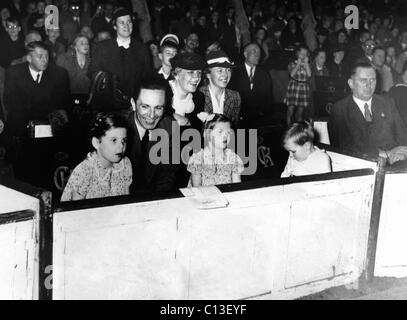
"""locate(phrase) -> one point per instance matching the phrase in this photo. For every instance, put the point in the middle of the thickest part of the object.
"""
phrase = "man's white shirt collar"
(35, 73)
(248, 69)
(141, 130)
(123, 43)
(161, 71)
(217, 107)
(361, 105)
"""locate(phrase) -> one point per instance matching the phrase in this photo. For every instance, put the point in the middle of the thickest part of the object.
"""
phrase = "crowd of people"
(203, 68)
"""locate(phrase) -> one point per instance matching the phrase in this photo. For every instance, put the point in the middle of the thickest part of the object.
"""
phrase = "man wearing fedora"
(123, 57)
(219, 99)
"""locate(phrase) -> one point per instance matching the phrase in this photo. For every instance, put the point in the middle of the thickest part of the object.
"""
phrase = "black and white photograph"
(203, 154)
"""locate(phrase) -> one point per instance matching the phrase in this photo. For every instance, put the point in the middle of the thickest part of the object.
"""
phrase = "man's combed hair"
(152, 83)
(34, 45)
(357, 65)
(301, 133)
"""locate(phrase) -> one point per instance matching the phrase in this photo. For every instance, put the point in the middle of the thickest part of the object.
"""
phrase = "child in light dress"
(215, 164)
(106, 171)
(304, 158)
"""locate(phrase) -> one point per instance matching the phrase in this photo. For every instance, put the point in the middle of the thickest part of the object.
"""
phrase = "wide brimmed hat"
(188, 61)
(218, 59)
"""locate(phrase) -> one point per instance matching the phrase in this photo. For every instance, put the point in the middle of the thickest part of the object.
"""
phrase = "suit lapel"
(208, 101)
(245, 77)
(228, 103)
(355, 115)
(378, 113)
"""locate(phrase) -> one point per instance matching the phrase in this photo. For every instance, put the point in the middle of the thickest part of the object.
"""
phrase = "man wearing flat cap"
(125, 58)
(186, 101)
(219, 99)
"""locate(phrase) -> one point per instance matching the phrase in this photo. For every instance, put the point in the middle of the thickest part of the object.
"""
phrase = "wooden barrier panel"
(282, 241)
(19, 260)
(391, 256)
(19, 244)
(343, 162)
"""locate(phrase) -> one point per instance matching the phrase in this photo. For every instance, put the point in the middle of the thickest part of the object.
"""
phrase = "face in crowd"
(299, 153)
(252, 54)
(124, 26)
(81, 45)
(53, 34)
(368, 47)
(150, 107)
(379, 57)
(339, 55)
(166, 55)
(188, 80)
(192, 42)
(320, 58)
(363, 83)
(220, 135)
(111, 147)
(13, 29)
(219, 76)
(38, 59)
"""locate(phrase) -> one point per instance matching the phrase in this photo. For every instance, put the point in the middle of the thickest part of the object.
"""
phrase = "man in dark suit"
(146, 123)
(123, 57)
(254, 86)
(367, 123)
(33, 90)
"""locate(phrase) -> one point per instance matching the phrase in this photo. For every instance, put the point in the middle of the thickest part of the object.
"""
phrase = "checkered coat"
(298, 91)
(231, 108)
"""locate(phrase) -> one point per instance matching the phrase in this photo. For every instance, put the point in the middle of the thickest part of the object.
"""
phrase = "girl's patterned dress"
(298, 91)
(215, 170)
(90, 180)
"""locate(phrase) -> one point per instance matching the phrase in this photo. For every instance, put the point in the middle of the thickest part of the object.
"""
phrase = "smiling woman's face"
(188, 80)
(220, 76)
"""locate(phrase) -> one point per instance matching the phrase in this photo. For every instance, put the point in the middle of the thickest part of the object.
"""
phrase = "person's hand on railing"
(396, 154)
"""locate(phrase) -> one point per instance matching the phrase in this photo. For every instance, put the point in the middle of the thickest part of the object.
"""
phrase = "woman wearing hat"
(186, 101)
(218, 99)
